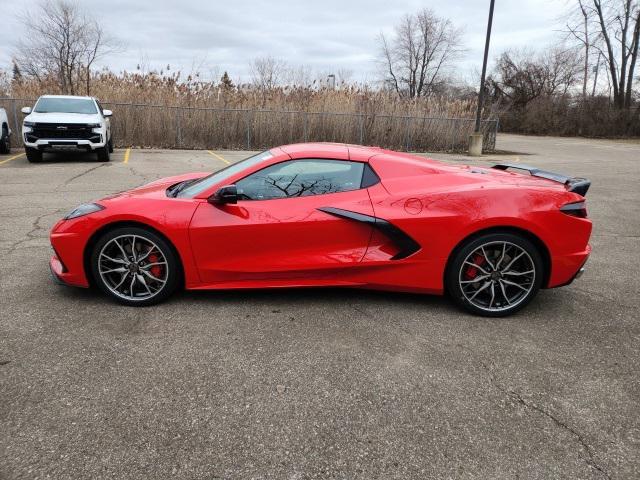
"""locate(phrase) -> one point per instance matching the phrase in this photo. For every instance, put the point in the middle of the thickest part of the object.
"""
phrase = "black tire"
(110, 144)
(103, 154)
(503, 307)
(5, 140)
(33, 154)
(174, 275)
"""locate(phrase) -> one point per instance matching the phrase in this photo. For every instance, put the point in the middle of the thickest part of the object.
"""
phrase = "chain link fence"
(161, 126)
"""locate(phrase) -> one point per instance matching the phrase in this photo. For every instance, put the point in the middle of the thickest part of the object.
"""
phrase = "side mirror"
(107, 113)
(26, 110)
(225, 195)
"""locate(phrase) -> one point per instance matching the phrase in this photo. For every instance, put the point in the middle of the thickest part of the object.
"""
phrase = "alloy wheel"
(133, 267)
(497, 276)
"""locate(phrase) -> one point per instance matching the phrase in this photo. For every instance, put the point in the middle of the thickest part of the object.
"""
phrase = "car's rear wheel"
(135, 266)
(495, 275)
(5, 141)
(33, 154)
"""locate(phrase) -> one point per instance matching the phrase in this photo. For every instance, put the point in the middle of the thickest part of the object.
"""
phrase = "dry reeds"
(154, 110)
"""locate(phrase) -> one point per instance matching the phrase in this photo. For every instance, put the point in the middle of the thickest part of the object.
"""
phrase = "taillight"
(577, 209)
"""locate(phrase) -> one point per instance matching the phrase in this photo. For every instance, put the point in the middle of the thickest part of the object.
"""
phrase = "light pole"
(475, 141)
(331, 81)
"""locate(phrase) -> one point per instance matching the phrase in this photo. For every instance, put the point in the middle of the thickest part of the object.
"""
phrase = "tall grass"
(572, 116)
(154, 110)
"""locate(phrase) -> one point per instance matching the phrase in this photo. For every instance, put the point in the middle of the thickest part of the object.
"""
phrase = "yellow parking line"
(219, 157)
(12, 158)
(126, 155)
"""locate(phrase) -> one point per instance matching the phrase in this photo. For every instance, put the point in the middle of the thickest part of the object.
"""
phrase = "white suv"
(5, 132)
(63, 122)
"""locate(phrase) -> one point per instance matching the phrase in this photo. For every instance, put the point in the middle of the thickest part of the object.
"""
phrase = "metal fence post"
(453, 131)
(406, 135)
(15, 116)
(247, 118)
(305, 126)
(178, 127)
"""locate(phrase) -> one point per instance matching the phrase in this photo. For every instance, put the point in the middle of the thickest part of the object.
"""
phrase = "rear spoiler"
(573, 184)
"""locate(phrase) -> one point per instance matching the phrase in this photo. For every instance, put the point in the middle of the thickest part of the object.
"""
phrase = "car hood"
(157, 188)
(56, 117)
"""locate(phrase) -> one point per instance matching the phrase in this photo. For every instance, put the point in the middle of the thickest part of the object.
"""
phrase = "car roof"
(67, 96)
(347, 151)
(338, 151)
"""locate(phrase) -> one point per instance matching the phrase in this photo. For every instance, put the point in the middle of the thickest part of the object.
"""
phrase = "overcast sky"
(326, 35)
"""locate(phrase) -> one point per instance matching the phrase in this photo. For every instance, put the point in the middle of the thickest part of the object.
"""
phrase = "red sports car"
(318, 214)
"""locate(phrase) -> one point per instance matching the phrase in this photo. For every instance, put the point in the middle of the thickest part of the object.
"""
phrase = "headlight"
(95, 127)
(29, 124)
(84, 209)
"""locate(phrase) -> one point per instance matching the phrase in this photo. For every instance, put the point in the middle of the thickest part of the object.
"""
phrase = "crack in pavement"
(75, 177)
(603, 297)
(31, 235)
(54, 191)
(614, 235)
(361, 311)
(137, 173)
(36, 227)
(515, 396)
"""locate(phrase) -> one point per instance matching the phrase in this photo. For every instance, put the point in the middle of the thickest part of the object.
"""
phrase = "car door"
(276, 230)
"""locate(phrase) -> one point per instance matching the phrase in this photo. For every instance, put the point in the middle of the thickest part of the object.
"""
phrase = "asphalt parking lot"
(321, 383)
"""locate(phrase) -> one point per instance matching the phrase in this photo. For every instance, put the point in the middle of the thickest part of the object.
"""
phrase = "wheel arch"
(529, 235)
(95, 236)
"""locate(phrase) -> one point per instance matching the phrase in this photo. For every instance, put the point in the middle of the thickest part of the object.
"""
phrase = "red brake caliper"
(156, 270)
(472, 272)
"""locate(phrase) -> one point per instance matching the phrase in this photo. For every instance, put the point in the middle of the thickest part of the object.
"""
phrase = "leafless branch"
(422, 47)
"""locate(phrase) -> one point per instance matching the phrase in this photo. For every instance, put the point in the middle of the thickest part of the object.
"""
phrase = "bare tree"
(416, 56)
(267, 72)
(522, 76)
(61, 42)
(619, 25)
(578, 28)
(344, 76)
(299, 76)
(94, 45)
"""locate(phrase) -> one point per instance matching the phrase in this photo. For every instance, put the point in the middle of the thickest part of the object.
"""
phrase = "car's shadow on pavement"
(69, 156)
(292, 297)
(367, 302)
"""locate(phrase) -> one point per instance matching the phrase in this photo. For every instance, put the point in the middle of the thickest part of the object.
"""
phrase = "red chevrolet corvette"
(316, 214)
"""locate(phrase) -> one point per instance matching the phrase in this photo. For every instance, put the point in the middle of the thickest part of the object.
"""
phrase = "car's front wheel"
(5, 141)
(135, 266)
(33, 154)
(495, 274)
(103, 154)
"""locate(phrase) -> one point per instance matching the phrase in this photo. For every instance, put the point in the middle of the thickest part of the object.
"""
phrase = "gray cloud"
(327, 35)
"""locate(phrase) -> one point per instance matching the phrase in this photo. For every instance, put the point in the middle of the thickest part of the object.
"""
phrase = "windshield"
(65, 105)
(203, 184)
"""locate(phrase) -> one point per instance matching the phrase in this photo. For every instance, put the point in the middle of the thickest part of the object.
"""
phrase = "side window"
(100, 106)
(300, 178)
